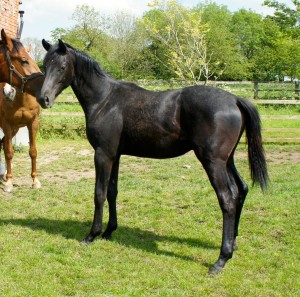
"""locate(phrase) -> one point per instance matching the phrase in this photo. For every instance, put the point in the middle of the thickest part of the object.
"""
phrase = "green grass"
(169, 229)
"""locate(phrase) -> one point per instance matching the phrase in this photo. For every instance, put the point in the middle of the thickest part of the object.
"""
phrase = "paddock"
(168, 235)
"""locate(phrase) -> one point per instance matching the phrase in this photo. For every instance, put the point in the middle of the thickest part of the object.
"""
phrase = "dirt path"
(49, 158)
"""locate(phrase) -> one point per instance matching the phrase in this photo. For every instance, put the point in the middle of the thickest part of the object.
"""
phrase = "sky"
(43, 16)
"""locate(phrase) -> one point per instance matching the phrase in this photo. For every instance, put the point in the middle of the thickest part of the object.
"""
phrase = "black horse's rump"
(122, 118)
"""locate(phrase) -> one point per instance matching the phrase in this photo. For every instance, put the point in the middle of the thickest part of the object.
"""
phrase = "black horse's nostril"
(44, 102)
(47, 101)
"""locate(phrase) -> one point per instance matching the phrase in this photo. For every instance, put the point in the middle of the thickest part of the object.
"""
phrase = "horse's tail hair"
(256, 154)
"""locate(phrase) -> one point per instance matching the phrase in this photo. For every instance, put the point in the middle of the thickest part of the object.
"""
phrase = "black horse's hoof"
(106, 236)
(89, 239)
(215, 270)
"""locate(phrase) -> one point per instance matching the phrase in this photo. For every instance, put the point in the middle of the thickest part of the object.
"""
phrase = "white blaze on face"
(9, 92)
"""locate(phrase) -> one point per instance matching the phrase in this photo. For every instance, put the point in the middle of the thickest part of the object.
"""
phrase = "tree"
(182, 35)
(126, 44)
(228, 62)
(288, 18)
(87, 34)
(90, 24)
(35, 48)
(265, 64)
(247, 29)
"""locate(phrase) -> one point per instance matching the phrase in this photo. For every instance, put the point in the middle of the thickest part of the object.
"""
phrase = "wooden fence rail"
(262, 93)
(258, 90)
(275, 89)
(270, 135)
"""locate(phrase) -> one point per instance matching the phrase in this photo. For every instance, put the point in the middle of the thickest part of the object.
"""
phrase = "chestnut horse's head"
(17, 67)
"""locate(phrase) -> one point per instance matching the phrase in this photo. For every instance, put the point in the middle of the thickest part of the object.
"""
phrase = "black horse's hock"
(122, 118)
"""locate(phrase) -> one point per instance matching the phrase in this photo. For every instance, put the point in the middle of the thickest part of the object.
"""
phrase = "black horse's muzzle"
(45, 102)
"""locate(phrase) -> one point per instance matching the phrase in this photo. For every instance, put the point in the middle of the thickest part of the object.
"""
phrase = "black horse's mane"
(85, 63)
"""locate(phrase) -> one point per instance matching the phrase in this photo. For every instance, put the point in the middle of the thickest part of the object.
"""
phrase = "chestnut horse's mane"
(17, 44)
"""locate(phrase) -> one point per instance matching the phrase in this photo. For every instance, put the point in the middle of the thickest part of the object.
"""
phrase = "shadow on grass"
(125, 236)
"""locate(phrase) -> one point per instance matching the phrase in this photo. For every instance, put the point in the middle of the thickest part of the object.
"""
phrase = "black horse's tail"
(256, 154)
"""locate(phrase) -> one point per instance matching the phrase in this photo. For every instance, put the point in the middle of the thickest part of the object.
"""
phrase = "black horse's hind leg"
(227, 192)
(103, 166)
(242, 193)
(112, 193)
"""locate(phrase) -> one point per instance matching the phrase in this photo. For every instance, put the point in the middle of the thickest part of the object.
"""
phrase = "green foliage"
(285, 16)
(71, 127)
(227, 60)
(200, 43)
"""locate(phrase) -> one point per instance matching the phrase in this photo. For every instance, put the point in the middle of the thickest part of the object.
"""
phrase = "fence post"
(255, 90)
(297, 90)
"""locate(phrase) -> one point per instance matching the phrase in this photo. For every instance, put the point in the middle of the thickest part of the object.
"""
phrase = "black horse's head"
(59, 72)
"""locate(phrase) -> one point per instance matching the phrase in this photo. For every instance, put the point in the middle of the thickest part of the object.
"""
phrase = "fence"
(262, 92)
(278, 91)
(259, 93)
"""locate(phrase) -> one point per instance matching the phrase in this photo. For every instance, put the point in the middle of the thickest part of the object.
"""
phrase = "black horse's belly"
(160, 149)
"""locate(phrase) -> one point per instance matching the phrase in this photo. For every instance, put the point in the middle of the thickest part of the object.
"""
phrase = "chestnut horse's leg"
(2, 166)
(9, 154)
(112, 193)
(32, 131)
(103, 166)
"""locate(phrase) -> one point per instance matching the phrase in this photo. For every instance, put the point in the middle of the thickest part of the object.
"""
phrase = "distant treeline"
(206, 42)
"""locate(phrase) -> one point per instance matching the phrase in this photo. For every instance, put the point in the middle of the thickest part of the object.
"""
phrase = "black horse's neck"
(91, 84)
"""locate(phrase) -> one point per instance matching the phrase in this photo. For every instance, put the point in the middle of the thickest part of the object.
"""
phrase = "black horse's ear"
(46, 45)
(61, 46)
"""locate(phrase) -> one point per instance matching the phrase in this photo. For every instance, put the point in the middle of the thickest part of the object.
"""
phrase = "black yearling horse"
(122, 118)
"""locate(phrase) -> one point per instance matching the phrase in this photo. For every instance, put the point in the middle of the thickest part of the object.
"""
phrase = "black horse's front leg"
(103, 167)
(112, 193)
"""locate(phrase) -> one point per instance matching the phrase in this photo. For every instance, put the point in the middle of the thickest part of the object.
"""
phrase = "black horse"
(123, 118)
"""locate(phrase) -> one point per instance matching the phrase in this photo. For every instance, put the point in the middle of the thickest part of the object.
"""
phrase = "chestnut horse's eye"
(24, 61)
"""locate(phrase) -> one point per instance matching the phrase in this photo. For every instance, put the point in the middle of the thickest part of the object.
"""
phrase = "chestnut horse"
(19, 70)
(124, 119)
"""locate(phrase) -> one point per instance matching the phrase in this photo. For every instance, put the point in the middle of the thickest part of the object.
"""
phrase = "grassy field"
(169, 229)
